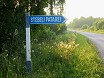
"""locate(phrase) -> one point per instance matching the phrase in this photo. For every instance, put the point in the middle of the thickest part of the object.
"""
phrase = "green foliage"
(78, 23)
(99, 24)
(62, 29)
(89, 64)
(92, 28)
(54, 28)
(12, 38)
(51, 60)
(94, 24)
(12, 34)
(46, 35)
(57, 58)
(85, 26)
(59, 28)
(70, 55)
(57, 4)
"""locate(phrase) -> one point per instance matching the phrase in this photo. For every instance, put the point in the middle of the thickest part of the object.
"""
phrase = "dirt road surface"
(98, 40)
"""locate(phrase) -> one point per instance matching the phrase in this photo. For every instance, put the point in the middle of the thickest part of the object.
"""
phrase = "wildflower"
(69, 46)
(77, 45)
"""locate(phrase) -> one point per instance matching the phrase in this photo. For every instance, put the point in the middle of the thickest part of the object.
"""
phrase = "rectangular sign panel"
(45, 19)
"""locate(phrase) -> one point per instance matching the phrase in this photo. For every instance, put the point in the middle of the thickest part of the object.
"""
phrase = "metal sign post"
(38, 19)
(28, 44)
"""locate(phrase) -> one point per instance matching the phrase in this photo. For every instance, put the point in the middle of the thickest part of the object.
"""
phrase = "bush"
(99, 24)
(85, 26)
(62, 29)
(54, 28)
(46, 35)
(91, 28)
(59, 28)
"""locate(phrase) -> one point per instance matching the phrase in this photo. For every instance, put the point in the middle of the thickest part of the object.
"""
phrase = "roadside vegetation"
(69, 55)
(55, 53)
(89, 24)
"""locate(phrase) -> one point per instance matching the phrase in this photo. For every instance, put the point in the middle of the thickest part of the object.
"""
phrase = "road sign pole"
(28, 44)
(38, 19)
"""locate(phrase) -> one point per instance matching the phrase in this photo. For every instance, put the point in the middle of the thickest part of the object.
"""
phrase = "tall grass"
(68, 56)
(89, 64)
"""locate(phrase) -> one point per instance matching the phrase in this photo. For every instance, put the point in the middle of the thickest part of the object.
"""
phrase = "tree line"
(88, 23)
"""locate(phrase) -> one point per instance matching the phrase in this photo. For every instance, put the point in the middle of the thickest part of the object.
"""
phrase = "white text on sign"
(45, 19)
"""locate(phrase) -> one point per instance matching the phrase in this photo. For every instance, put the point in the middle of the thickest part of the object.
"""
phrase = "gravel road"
(98, 40)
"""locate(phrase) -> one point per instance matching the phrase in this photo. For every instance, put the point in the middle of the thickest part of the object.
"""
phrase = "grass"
(69, 56)
(94, 31)
(99, 31)
(89, 64)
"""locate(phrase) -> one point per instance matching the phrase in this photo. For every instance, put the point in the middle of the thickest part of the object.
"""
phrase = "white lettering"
(53, 19)
(37, 19)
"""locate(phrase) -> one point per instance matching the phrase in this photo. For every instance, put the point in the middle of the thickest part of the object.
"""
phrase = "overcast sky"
(78, 8)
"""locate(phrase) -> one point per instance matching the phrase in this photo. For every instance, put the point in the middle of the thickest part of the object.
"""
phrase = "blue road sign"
(45, 19)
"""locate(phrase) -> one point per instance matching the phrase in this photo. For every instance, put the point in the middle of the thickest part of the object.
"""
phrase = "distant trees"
(99, 24)
(85, 26)
(88, 23)
(78, 23)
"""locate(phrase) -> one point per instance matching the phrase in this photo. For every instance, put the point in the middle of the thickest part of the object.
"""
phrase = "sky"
(77, 8)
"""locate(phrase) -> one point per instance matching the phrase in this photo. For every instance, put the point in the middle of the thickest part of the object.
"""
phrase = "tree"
(78, 23)
(85, 26)
(12, 33)
(99, 24)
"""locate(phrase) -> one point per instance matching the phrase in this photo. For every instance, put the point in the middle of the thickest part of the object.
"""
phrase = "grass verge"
(89, 63)
(95, 31)
(69, 56)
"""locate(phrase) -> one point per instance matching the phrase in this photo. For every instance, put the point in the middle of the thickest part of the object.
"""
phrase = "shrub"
(46, 35)
(59, 28)
(62, 29)
(91, 28)
(85, 26)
